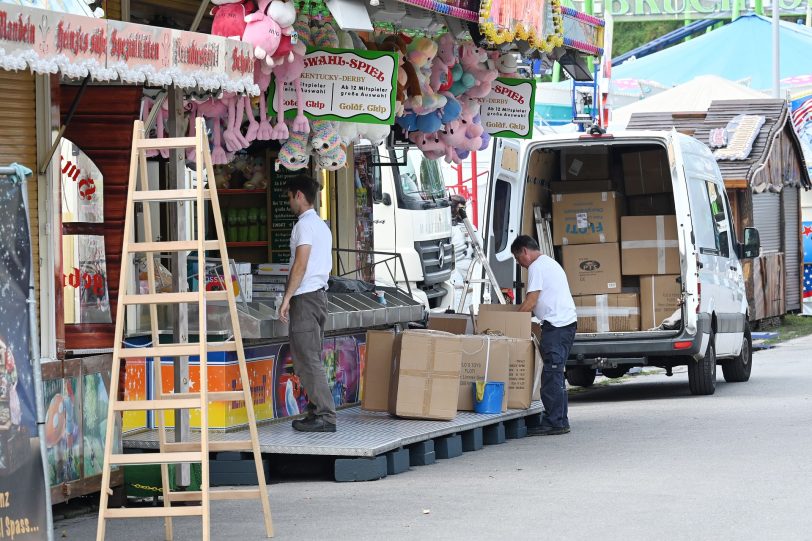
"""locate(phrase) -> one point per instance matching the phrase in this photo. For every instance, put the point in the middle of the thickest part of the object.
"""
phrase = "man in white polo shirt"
(550, 300)
(305, 303)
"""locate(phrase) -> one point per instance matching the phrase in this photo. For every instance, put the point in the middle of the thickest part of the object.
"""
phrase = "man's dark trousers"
(556, 343)
(308, 313)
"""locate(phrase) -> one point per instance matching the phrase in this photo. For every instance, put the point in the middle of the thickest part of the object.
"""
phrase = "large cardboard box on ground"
(378, 370)
(586, 218)
(592, 269)
(649, 245)
(479, 351)
(646, 172)
(453, 323)
(608, 313)
(425, 375)
(504, 319)
(585, 164)
(660, 297)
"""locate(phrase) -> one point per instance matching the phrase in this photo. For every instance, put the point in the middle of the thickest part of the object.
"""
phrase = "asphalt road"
(645, 460)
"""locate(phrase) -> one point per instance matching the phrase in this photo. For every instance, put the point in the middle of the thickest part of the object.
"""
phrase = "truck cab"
(691, 290)
(412, 217)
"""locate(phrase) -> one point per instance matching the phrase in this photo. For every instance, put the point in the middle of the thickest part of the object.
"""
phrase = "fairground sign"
(641, 10)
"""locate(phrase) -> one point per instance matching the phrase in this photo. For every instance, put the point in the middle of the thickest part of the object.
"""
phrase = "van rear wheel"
(738, 368)
(581, 376)
(614, 373)
(702, 373)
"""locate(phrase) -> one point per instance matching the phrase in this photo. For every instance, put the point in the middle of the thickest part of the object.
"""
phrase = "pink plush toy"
(474, 60)
(284, 13)
(232, 136)
(216, 111)
(229, 17)
(441, 78)
(453, 137)
(161, 116)
(290, 72)
(262, 130)
(263, 33)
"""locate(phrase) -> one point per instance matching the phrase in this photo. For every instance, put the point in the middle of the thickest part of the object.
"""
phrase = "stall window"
(501, 214)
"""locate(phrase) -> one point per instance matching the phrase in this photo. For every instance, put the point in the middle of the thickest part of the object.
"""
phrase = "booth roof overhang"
(49, 42)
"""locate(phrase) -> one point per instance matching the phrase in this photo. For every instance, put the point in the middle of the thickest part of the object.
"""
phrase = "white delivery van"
(642, 225)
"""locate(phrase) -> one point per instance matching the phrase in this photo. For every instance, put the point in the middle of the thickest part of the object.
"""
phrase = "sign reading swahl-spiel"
(508, 110)
(345, 85)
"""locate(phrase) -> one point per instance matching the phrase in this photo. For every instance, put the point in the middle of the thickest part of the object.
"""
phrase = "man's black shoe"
(547, 430)
(313, 424)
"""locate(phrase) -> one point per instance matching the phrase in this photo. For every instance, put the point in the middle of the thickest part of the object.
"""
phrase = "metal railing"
(387, 259)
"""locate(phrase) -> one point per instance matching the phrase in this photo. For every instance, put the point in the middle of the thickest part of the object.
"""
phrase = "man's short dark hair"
(304, 184)
(524, 241)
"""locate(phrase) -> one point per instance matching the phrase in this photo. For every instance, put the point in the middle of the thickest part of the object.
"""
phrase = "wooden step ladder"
(178, 452)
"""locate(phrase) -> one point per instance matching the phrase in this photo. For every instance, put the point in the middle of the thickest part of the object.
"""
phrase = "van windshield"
(420, 183)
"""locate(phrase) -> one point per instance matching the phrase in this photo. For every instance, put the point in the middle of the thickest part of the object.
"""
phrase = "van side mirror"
(752, 244)
(386, 199)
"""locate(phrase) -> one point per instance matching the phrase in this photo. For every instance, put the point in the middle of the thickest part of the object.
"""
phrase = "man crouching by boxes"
(550, 300)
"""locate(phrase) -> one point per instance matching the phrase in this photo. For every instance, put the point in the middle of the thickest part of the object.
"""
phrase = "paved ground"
(645, 460)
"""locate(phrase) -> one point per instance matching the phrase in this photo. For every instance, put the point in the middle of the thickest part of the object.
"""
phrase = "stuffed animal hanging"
(295, 153)
(229, 17)
(216, 111)
(290, 72)
(284, 13)
(263, 33)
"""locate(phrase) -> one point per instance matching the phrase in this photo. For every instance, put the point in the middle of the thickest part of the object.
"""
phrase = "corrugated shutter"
(18, 141)
(791, 246)
(767, 219)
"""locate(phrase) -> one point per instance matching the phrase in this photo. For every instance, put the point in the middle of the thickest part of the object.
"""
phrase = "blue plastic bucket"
(492, 398)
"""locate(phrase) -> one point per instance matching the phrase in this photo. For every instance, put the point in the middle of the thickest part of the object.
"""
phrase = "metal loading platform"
(371, 445)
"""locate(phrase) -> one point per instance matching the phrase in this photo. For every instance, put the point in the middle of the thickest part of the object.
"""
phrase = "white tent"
(694, 96)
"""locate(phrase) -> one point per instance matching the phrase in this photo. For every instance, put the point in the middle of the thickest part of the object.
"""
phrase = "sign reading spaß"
(344, 84)
(508, 110)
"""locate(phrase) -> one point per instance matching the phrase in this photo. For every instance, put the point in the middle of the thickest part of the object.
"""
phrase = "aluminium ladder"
(178, 452)
(479, 256)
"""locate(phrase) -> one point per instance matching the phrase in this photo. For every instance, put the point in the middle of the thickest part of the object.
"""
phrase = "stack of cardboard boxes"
(604, 250)
(428, 374)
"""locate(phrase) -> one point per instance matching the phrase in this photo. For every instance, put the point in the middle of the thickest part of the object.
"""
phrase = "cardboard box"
(586, 218)
(479, 351)
(525, 374)
(649, 245)
(425, 380)
(582, 186)
(585, 164)
(660, 296)
(650, 205)
(608, 313)
(377, 370)
(646, 172)
(504, 319)
(592, 269)
(453, 323)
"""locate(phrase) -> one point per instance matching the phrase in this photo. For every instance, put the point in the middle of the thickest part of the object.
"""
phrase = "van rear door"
(503, 218)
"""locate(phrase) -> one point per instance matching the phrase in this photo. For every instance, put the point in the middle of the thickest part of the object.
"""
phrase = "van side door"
(503, 219)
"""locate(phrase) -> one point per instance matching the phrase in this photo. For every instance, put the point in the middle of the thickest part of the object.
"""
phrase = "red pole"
(474, 190)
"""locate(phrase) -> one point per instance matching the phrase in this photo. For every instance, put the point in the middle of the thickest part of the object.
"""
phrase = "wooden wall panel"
(102, 128)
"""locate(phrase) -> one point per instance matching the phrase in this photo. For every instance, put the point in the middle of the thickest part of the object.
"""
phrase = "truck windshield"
(419, 181)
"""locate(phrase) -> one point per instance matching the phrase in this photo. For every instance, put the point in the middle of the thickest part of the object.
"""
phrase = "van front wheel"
(702, 373)
(581, 376)
(738, 368)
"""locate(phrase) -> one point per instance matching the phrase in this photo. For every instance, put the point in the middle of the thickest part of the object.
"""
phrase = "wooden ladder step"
(160, 404)
(173, 298)
(176, 350)
(167, 142)
(196, 496)
(152, 512)
(158, 458)
(213, 396)
(214, 446)
(172, 246)
(169, 195)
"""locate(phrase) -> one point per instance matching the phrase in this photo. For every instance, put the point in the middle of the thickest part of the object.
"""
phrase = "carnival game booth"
(432, 69)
